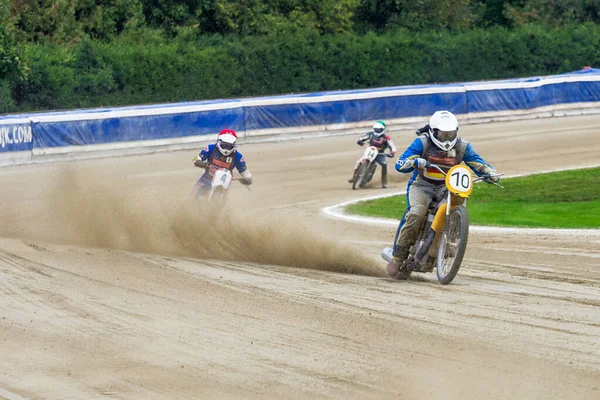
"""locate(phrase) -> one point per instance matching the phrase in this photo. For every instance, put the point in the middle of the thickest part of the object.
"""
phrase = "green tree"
(13, 68)
(553, 12)
(244, 17)
(416, 15)
(265, 16)
(332, 16)
(378, 13)
(171, 14)
(250, 17)
(62, 21)
(44, 21)
(104, 19)
(435, 14)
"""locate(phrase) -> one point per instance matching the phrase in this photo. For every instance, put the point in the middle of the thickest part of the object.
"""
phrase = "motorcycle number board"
(459, 180)
(371, 152)
(222, 178)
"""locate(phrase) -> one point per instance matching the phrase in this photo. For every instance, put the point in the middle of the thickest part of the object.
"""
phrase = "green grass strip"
(566, 199)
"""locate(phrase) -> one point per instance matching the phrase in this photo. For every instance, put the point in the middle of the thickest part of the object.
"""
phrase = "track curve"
(113, 285)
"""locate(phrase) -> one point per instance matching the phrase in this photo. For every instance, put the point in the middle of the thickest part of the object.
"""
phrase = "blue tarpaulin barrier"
(191, 119)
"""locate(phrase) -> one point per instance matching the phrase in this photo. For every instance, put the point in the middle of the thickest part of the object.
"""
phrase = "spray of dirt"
(98, 213)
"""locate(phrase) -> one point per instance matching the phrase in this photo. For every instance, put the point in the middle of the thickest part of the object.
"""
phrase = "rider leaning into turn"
(378, 139)
(442, 146)
(223, 154)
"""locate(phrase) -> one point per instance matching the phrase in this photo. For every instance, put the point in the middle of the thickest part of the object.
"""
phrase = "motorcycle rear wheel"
(453, 244)
(217, 200)
(360, 176)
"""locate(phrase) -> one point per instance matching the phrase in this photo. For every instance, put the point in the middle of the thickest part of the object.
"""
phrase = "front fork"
(358, 164)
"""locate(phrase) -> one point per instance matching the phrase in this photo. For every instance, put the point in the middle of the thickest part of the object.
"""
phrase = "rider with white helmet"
(379, 139)
(440, 145)
(443, 128)
(222, 154)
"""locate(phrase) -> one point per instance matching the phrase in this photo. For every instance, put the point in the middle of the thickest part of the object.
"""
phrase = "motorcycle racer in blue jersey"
(442, 146)
(222, 154)
(381, 141)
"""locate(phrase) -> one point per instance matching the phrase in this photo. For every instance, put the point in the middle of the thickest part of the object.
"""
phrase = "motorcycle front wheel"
(370, 173)
(360, 176)
(217, 199)
(453, 244)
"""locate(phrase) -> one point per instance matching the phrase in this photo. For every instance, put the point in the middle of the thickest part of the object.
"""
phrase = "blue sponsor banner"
(15, 136)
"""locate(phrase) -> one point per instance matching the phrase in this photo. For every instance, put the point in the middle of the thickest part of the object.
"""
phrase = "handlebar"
(484, 178)
(430, 165)
(386, 154)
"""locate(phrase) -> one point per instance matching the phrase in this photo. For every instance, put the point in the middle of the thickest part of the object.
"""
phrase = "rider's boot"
(398, 256)
(384, 176)
(353, 175)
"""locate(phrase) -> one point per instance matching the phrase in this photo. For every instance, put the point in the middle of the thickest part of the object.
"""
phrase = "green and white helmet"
(379, 128)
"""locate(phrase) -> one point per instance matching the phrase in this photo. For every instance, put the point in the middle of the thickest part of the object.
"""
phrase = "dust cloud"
(101, 214)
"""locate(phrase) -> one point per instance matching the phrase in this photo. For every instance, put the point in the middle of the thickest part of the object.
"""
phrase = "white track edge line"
(10, 396)
(337, 212)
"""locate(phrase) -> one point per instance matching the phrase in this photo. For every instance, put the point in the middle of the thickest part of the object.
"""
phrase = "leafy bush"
(144, 67)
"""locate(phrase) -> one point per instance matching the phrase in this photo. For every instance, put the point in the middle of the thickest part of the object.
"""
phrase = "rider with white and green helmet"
(379, 139)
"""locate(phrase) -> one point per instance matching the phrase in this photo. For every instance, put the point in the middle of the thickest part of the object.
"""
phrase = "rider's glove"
(392, 153)
(494, 179)
(200, 163)
(360, 142)
(420, 163)
(490, 171)
(422, 130)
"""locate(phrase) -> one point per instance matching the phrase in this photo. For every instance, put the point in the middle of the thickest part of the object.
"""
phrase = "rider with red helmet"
(223, 154)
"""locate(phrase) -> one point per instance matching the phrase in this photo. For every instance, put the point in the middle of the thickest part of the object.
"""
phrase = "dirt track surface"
(114, 285)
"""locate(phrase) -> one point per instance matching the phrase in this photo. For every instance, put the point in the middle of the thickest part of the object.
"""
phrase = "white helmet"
(443, 129)
(227, 144)
(379, 128)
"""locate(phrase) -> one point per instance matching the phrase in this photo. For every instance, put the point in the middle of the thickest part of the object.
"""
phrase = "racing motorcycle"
(221, 180)
(446, 226)
(366, 168)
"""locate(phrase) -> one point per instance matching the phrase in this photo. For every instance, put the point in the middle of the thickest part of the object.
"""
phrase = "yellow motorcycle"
(445, 228)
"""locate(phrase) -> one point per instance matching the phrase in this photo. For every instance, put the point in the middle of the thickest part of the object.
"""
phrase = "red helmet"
(228, 132)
